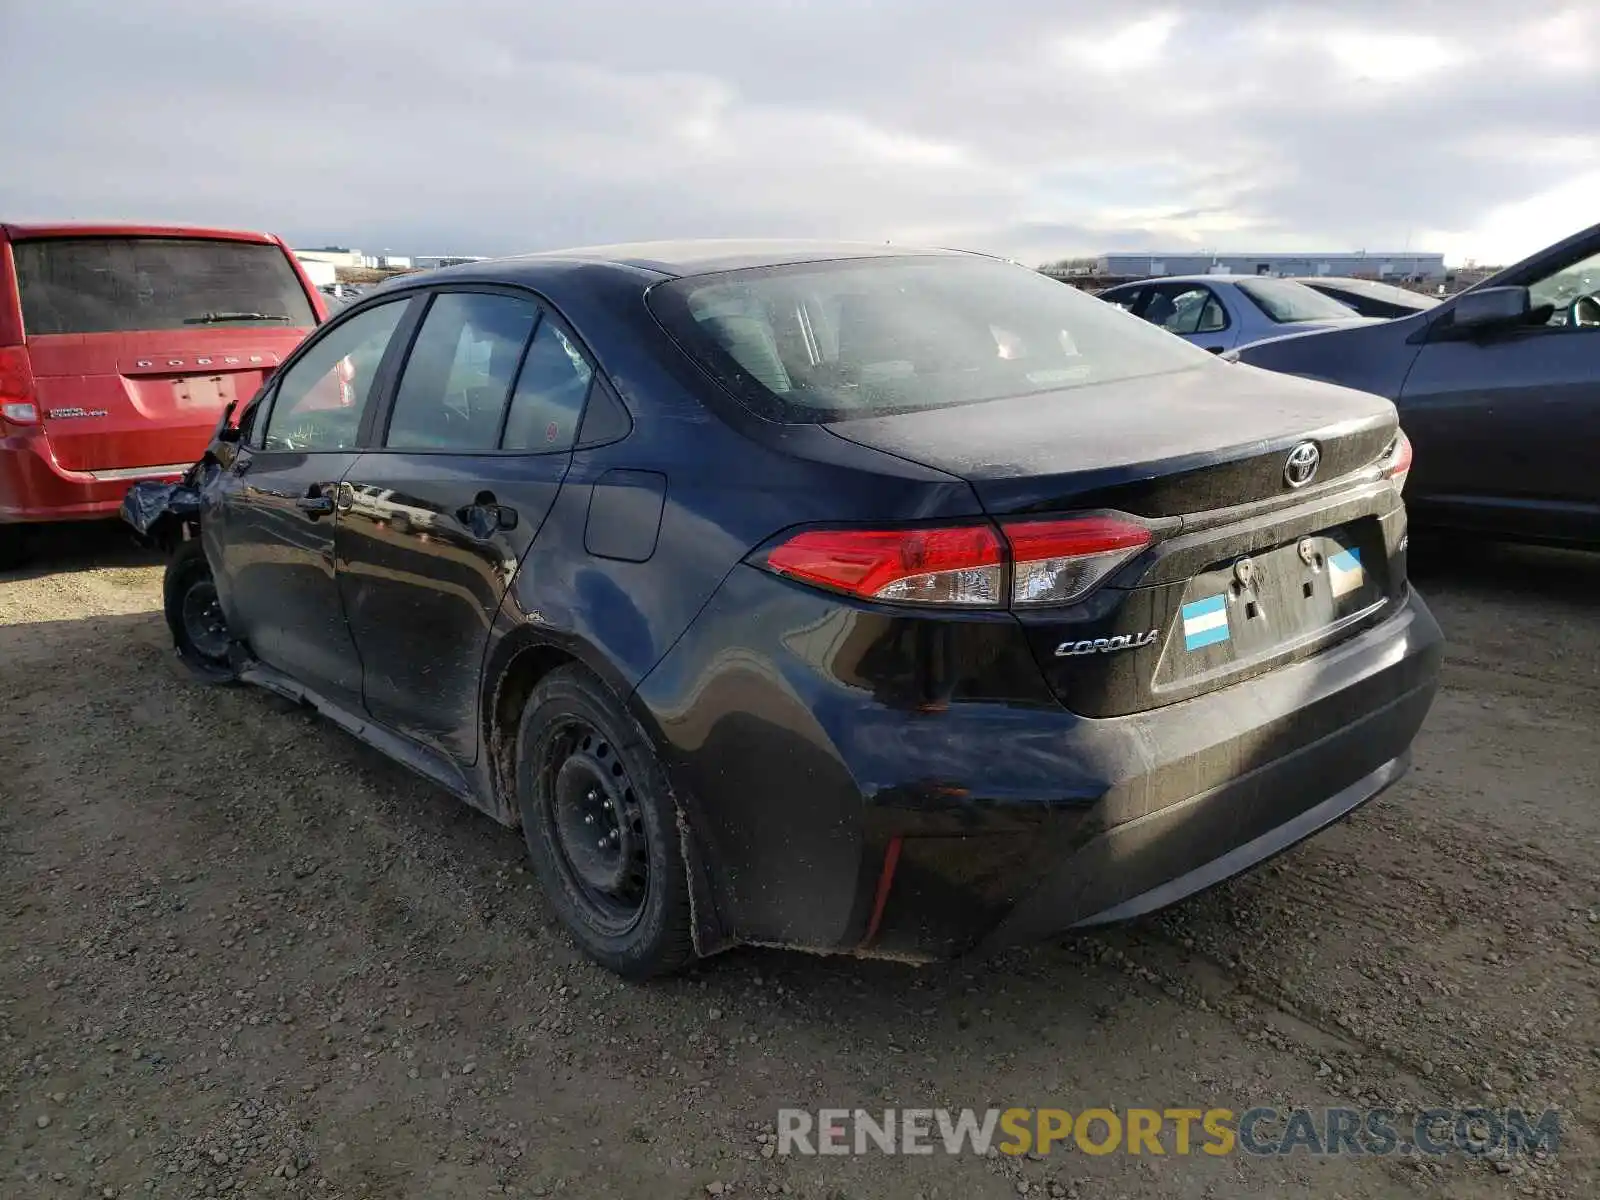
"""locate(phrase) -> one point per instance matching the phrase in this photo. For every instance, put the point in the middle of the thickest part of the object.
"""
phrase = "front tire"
(194, 615)
(601, 827)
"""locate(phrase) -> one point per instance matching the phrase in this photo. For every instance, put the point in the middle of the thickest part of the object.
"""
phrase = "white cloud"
(1130, 47)
(1514, 231)
(1392, 57)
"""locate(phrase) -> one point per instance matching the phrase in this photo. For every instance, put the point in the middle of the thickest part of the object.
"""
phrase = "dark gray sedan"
(1498, 388)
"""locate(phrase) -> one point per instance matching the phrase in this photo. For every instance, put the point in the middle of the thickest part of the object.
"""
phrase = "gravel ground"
(242, 955)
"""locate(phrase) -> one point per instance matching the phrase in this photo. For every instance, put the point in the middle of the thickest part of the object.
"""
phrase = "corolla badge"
(1302, 464)
(1122, 641)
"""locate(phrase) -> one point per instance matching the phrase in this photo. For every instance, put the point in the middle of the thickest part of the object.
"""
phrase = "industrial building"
(1361, 264)
(337, 256)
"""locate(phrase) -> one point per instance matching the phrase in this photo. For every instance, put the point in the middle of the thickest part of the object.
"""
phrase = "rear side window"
(866, 337)
(125, 285)
(548, 403)
(458, 377)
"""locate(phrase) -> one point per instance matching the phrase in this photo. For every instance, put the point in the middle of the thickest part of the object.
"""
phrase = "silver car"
(1222, 312)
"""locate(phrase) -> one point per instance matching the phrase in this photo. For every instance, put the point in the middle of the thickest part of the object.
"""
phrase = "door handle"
(485, 517)
(314, 504)
(1216, 349)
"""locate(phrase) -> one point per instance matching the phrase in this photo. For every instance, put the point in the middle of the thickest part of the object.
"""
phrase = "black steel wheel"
(194, 615)
(599, 830)
(601, 827)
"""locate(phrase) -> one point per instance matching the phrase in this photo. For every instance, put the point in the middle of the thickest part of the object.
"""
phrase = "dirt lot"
(242, 955)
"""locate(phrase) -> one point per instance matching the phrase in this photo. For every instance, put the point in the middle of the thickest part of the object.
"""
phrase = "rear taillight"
(1397, 462)
(964, 565)
(1026, 563)
(17, 406)
(1058, 562)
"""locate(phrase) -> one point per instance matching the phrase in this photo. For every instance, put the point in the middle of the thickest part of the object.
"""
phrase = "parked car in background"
(120, 346)
(1219, 312)
(1499, 389)
(337, 295)
(830, 596)
(1370, 297)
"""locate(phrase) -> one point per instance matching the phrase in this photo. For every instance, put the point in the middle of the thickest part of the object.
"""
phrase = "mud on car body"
(827, 596)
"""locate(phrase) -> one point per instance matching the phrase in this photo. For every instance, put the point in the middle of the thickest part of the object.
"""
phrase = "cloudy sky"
(1036, 128)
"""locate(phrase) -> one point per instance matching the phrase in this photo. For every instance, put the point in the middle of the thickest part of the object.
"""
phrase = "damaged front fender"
(165, 514)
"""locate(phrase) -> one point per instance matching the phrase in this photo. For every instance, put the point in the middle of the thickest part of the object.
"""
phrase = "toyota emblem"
(1302, 465)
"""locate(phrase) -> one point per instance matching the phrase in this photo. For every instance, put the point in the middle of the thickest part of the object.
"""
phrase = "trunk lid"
(1245, 573)
(1160, 446)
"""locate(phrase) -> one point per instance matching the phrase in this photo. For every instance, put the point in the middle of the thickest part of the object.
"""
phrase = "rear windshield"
(126, 284)
(830, 341)
(1384, 293)
(1285, 301)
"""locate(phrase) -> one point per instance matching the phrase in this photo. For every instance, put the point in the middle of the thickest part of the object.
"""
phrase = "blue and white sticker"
(1345, 573)
(1205, 622)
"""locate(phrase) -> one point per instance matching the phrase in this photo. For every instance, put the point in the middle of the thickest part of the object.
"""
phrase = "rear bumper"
(1199, 792)
(834, 817)
(1158, 860)
(35, 487)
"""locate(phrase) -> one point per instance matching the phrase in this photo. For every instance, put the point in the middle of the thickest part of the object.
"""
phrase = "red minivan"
(120, 345)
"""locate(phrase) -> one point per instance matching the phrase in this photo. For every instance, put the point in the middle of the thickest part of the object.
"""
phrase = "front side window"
(453, 391)
(548, 402)
(1284, 301)
(865, 337)
(130, 284)
(1573, 294)
(320, 398)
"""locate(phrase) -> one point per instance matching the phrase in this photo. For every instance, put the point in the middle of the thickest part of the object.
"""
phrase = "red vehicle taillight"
(1058, 562)
(974, 566)
(962, 565)
(17, 406)
(1397, 463)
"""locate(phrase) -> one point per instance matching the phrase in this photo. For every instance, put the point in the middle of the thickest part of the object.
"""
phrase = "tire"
(585, 770)
(199, 630)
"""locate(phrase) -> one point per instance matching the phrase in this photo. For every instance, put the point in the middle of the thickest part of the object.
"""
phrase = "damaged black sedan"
(847, 598)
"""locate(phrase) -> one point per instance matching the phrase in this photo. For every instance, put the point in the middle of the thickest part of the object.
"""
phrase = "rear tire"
(194, 615)
(602, 827)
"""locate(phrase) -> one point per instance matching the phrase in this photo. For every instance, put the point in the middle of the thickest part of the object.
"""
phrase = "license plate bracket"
(1262, 604)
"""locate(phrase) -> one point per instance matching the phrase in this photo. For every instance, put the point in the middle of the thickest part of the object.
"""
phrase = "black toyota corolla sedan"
(847, 598)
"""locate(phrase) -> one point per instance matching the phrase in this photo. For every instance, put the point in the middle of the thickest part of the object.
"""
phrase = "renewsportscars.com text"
(1161, 1131)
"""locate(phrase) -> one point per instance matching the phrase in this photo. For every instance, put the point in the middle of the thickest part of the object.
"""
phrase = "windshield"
(1285, 301)
(866, 337)
(127, 284)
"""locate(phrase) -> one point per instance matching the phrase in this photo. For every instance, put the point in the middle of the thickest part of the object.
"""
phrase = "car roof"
(662, 260)
(1204, 279)
(701, 256)
(16, 231)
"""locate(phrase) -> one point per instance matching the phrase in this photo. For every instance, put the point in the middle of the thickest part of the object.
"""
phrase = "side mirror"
(1490, 308)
